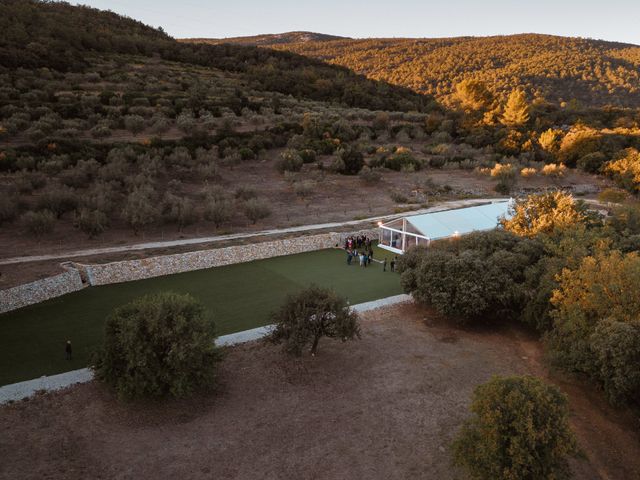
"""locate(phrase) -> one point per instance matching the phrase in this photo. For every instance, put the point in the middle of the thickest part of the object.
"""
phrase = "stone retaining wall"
(40, 290)
(129, 270)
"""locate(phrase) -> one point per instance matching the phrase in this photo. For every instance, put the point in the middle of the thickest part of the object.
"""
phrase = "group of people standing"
(360, 248)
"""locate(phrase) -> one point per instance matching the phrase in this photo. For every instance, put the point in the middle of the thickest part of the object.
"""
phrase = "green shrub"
(616, 346)
(255, 210)
(157, 346)
(59, 200)
(8, 208)
(140, 208)
(179, 210)
(308, 155)
(605, 286)
(398, 197)
(370, 175)
(352, 159)
(289, 161)
(519, 430)
(134, 123)
(311, 314)
(478, 276)
(592, 162)
(91, 222)
(218, 210)
(39, 223)
(403, 160)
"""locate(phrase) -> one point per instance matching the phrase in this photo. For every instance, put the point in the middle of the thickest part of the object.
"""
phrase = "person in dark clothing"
(349, 257)
(68, 350)
(393, 264)
(384, 265)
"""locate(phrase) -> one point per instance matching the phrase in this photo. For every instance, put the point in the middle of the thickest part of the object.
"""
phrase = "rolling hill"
(558, 69)
(269, 39)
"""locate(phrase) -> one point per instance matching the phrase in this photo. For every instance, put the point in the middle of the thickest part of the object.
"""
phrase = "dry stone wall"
(78, 276)
(129, 270)
(40, 290)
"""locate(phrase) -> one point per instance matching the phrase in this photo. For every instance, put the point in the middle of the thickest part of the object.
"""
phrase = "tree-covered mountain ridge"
(558, 69)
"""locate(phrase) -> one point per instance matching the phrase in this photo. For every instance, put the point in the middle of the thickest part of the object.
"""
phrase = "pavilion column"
(404, 236)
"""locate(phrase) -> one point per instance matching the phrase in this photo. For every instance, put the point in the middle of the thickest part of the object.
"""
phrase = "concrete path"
(239, 236)
(22, 390)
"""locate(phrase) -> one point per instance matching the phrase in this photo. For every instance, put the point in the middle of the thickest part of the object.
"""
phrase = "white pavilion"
(400, 234)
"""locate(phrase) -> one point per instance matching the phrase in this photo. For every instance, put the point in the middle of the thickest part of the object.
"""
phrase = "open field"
(389, 404)
(239, 297)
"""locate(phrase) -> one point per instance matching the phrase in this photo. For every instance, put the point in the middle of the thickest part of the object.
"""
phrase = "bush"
(218, 210)
(311, 314)
(39, 223)
(612, 195)
(352, 159)
(604, 287)
(134, 123)
(616, 346)
(158, 345)
(478, 276)
(255, 210)
(403, 160)
(556, 170)
(289, 161)
(370, 175)
(544, 213)
(520, 429)
(140, 208)
(528, 172)
(59, 200)
(307, 155)
(246, 153)
(179, 210)
(625, 169)
(593, 162)
(91, 222)
(8, 208)
(304, 188)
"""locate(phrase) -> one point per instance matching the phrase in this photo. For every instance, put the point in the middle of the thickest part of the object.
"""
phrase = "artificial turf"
(239, 297)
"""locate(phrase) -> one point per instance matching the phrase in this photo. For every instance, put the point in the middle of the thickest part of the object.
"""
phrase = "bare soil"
(384, 407)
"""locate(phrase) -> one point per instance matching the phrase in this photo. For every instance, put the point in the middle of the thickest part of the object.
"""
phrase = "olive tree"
(519, 429)
(158, 345)
(309, 315)
(255, 210)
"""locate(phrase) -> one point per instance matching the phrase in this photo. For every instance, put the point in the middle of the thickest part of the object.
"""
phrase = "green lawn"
(239, 297)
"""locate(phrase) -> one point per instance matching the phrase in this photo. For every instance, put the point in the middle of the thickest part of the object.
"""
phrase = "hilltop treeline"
(559, 69)
(59, 36)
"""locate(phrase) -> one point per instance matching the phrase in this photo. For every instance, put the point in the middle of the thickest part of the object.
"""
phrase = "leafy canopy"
(544, 213)
(519, 430)
(158, 345)
(311, 314)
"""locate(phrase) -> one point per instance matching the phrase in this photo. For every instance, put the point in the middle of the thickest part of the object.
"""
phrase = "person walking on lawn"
(393, 264)
(384, 265)
(68, 350)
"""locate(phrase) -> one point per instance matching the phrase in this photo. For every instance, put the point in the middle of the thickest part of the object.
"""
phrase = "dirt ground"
(384, 407)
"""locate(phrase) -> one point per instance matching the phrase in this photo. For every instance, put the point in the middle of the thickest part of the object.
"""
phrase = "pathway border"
(22, 390)
(447, 205)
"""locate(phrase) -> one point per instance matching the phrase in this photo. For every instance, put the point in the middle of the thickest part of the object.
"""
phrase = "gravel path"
(237, 236)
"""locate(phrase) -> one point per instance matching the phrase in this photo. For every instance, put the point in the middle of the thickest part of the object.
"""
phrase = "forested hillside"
(60, 36)
(558, 69)
(110, 128)
(270, 39)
